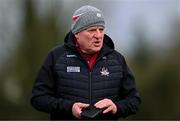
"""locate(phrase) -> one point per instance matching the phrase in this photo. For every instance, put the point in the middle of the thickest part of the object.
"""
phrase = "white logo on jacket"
(104, 71)
(73, 69)
(70, 56)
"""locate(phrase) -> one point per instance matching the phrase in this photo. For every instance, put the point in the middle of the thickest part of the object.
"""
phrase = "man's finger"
(83, 105)
(98, 103)
(108, 109)
(103, 104)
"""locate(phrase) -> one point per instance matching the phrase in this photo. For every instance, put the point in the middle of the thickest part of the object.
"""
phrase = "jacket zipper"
(90, 78)
(90, 81)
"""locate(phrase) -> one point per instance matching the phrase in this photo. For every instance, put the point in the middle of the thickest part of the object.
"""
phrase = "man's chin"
(94, 51)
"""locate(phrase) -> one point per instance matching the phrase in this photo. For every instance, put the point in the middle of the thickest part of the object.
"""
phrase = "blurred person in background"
(85, 72)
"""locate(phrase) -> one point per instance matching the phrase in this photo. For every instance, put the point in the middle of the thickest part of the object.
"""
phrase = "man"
(85, 71)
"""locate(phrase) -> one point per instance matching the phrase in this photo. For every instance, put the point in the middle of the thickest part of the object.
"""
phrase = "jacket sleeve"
(43, 92)
(130, 99)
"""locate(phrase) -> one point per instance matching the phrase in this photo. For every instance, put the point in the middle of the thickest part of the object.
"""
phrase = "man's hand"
(108, 105)
(77, 109)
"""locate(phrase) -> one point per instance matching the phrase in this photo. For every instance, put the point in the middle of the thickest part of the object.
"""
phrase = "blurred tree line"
(158, 78)
(157, 75)
(39, 36)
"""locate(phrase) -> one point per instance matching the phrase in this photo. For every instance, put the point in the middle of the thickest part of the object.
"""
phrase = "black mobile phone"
(91, 112)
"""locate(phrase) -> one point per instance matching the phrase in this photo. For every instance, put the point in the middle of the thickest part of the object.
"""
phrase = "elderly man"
(85, 73)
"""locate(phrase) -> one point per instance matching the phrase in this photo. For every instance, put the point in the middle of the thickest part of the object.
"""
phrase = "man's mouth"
(97, 43)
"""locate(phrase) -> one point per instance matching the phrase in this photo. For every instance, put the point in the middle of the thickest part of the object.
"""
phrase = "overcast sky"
(121, 18)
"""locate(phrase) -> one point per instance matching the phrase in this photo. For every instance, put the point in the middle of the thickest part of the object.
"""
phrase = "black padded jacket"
(64, 78)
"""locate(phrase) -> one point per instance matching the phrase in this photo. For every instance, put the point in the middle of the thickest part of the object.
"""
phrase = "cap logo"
(98, 15)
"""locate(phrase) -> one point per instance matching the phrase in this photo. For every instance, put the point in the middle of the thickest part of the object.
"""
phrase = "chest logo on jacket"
(73, 69)
(104, 71)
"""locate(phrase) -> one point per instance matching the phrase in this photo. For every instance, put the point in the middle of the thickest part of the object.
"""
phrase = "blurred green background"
(146, 32)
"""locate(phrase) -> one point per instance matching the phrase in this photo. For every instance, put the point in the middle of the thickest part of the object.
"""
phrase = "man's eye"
(101, 29)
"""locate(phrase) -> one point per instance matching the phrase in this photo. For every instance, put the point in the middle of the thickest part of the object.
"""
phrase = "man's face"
(91, 39)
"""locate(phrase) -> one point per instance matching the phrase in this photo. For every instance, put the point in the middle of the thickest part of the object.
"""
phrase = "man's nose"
(98, 33)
